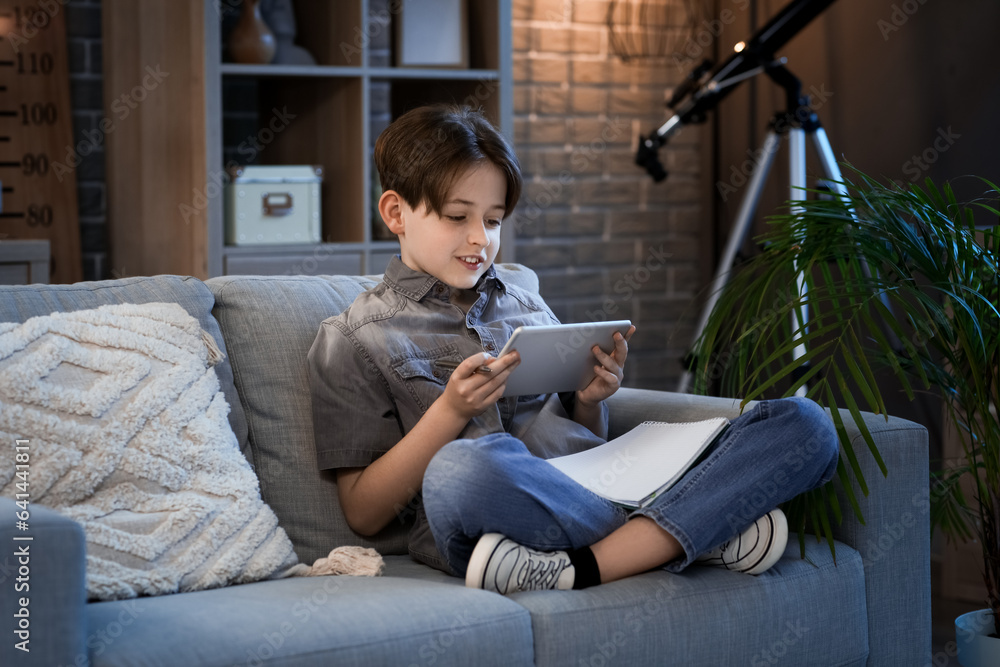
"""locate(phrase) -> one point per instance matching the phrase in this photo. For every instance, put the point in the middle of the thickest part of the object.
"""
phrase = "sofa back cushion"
(269, 324)
(19, 303)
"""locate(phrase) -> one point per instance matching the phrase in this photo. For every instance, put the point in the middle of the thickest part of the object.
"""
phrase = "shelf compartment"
(327, 130)
(407, 94)
(484, 35)
(333, 32)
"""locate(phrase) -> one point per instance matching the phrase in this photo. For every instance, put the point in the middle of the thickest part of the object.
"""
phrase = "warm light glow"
(739, 46)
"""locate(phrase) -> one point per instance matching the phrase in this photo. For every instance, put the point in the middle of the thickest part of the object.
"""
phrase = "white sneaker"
(503, 566)
(755, 550)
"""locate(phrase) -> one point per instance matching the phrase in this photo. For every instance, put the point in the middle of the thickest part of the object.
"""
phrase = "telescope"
(705, 87)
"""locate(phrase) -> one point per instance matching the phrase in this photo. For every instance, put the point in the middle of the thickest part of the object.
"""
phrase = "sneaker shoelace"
(539, 572)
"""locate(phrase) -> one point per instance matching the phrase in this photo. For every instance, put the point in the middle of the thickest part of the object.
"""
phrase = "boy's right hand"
(470, 392)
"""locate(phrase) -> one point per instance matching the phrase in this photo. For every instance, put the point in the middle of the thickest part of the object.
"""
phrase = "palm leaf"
(896, 280)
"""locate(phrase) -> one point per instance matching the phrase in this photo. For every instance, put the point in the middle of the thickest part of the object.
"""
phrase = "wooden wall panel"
(154, 91)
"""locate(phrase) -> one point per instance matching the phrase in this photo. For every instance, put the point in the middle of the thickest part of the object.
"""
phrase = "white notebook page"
(642, 462)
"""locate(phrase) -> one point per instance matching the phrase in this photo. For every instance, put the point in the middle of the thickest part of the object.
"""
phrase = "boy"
(402, 429)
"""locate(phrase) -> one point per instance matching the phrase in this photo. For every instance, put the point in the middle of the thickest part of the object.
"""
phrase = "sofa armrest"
(630, 407)
(894, 540)
(43, 586)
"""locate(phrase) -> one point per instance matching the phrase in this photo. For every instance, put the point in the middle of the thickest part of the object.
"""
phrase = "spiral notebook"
(634, 468)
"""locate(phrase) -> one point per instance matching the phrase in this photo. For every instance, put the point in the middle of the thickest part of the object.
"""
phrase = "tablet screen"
(558, 357)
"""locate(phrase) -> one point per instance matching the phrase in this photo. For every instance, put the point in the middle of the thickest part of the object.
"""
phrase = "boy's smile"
(460, 244)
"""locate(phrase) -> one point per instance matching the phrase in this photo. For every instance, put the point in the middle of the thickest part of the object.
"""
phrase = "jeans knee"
(450, 464)
(821, 443)
(802, 408)
(460, 466)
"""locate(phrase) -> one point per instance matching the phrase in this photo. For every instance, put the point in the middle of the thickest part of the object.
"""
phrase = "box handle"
(277, 203)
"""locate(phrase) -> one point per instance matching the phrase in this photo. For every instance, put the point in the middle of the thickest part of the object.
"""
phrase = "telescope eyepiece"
(647, 158)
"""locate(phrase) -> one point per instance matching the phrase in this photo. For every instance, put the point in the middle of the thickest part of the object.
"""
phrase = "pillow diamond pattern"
(65, 386)
(130, 437)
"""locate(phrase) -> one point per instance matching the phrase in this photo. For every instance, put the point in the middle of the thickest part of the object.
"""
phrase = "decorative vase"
(251, 41)
(280, 17)
(976, 648)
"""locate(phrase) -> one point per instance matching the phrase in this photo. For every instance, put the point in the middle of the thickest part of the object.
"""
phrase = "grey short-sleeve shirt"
(373, 373)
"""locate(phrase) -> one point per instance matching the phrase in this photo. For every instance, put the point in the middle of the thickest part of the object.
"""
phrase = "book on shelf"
(634, 468)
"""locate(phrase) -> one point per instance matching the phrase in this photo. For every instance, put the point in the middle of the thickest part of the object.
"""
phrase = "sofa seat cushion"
(711, 616)
(314, 621)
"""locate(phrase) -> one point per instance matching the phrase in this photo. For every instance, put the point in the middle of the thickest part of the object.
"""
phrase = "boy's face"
(458, 246)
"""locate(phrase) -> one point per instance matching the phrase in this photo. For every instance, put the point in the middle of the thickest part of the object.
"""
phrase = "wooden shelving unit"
(166, 165)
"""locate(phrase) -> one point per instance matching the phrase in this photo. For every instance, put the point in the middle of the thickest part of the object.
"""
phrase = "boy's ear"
(390, 207)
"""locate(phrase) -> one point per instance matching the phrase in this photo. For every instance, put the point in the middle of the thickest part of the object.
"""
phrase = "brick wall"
(607, 241)
(83, 33)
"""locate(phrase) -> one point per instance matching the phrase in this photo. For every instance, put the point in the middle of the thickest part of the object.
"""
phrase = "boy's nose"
(478, 235)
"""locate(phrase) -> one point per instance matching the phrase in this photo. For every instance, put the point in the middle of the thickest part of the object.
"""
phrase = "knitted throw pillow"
(128, 436)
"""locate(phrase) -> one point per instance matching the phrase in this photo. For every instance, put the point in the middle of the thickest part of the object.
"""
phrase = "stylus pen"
(452, 365)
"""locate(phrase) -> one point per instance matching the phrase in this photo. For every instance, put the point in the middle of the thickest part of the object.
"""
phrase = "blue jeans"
(770, 454)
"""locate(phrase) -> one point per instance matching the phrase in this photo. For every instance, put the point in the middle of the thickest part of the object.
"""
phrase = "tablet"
(558, 357)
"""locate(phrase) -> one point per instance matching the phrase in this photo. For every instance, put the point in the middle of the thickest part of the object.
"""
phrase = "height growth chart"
(38, 160)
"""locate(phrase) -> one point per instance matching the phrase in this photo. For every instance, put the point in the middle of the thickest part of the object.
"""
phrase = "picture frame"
(432, 33)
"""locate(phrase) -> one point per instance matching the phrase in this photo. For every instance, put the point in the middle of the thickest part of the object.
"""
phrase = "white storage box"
(273, 204)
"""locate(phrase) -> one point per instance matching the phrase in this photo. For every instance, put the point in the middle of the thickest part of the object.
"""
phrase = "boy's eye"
(492, 222)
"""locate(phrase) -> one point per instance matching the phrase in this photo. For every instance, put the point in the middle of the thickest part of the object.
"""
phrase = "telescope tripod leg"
(797, 192)
(822, 144)
(738, 233)
(798, 183)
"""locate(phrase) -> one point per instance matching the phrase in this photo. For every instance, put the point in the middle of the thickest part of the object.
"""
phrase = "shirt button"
(439, 289)
(437, 374)
(489, 347)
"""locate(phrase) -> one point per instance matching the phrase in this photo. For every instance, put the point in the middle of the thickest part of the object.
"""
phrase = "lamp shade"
(651, 29)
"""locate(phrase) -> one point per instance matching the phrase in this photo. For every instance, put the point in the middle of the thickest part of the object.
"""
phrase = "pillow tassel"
(215, 355)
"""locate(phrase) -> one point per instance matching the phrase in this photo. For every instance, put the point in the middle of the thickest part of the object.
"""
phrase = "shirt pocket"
(422, 374)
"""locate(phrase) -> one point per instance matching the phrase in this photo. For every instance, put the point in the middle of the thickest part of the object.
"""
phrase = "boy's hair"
(425, 151)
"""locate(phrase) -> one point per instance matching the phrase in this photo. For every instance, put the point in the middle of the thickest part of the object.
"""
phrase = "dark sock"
(585, 566)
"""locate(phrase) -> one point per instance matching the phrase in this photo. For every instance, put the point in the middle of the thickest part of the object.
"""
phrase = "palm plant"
(900, 292)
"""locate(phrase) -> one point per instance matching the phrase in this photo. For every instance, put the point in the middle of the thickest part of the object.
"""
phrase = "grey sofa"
(870, 607)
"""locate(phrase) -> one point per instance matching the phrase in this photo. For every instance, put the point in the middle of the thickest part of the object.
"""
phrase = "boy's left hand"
(610, 371)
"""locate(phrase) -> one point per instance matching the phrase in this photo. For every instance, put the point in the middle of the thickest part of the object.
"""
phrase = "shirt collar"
(417, 284)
